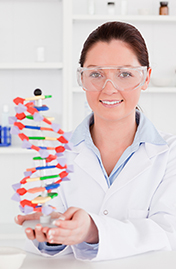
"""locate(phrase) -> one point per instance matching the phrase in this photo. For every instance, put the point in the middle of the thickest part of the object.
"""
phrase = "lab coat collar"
(151, 142)
(146, 131)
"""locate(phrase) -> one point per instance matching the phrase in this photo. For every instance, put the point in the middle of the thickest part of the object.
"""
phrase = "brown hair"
(121, 31)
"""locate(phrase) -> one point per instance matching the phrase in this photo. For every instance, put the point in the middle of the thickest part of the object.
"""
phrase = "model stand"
(50, 162)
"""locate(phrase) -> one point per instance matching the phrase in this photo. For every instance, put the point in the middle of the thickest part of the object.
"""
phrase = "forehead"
(115, 52)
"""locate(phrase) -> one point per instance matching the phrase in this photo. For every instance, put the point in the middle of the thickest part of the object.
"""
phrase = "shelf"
(43, 65)
(160, 90)
(141, 18)
(149, 90)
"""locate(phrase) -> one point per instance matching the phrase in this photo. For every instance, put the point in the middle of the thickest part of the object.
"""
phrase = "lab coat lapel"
(138, 163)
(87, 161)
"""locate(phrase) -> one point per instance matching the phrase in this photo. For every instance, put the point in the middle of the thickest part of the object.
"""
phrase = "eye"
(125, 74)
(95, 74)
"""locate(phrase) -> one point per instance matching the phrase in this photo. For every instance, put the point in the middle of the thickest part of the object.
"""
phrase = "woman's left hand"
(75, 226)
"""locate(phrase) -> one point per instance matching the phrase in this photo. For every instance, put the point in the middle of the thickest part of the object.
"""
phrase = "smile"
(111, 102)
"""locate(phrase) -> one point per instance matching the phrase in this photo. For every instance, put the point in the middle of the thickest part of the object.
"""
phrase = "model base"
(45, 221)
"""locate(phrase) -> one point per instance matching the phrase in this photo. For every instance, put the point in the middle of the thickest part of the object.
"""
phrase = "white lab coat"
(137, 213)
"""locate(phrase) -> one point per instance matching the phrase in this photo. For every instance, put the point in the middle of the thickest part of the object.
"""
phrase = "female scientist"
(121, 199)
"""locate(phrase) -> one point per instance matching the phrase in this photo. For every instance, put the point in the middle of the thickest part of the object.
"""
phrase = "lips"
(111, 103)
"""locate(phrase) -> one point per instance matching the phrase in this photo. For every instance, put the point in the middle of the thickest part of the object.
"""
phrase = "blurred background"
(40, 46)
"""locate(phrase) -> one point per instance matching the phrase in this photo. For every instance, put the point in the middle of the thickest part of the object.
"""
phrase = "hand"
(74, 226)
(38, 232)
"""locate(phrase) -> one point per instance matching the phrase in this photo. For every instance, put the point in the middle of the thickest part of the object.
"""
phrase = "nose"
(109, 88)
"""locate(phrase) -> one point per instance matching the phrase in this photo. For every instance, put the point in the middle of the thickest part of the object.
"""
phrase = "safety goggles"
(123, 78)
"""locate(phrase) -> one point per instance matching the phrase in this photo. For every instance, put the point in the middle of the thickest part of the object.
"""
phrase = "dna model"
(52, 166)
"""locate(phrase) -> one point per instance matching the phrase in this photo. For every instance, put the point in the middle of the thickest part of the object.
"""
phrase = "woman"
(121, 198)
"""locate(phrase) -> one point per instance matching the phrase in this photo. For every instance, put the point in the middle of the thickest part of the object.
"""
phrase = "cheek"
(92, 98)
(133, 97)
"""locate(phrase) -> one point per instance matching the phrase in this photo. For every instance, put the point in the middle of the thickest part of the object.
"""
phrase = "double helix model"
(50, 161)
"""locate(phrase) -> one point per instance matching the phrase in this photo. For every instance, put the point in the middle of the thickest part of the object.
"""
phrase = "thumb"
(68, 215)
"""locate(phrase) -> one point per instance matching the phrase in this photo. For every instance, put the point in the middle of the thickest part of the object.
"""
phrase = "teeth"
(111, 102)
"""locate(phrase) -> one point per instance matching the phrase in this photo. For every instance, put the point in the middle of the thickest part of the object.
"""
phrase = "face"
(109, 103)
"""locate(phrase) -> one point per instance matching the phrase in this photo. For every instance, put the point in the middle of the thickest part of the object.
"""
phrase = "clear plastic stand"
(45, 221)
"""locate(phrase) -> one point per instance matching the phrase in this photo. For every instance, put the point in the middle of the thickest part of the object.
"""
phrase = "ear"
(144, 87)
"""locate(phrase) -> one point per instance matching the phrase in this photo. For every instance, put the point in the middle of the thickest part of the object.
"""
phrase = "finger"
(67, 224)
(45, 230)
(58, 236)
(66, 217)
(30, 233)
(77, 218)
(56, 215)
(39, 235)
(20, 218)
(70, 212)
(34, 216)
(65, 237)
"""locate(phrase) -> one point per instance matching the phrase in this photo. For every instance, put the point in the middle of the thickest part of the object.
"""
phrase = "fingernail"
(16, 218)
(38, 227)
(61, 218)
(27, 231)
(50, 237)
(51, 233)
(55, 222)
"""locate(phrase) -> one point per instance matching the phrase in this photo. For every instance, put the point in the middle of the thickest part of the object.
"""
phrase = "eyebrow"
(104, 66)
(92, 66)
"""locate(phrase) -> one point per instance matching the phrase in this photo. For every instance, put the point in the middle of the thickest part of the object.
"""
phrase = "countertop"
(152, 260)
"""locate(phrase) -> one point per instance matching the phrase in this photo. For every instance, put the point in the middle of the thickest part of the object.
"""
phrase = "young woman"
(121, 198)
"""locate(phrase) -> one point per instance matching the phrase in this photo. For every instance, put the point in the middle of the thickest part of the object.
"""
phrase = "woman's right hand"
(38, 233)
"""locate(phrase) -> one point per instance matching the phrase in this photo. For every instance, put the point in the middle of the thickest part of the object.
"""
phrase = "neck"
(114, 133)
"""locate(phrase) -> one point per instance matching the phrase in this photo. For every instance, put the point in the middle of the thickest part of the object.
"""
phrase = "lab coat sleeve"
(136, 235)
(88, 251)
(50, 249)
(34, 246)
(118, 239)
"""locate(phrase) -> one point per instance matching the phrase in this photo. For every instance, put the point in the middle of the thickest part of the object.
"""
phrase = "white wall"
(28, 24)
(12, 168)
(25, 26)
(161, 42)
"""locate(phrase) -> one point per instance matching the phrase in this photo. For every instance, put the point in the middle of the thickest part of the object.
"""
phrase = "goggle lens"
(122, 78)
